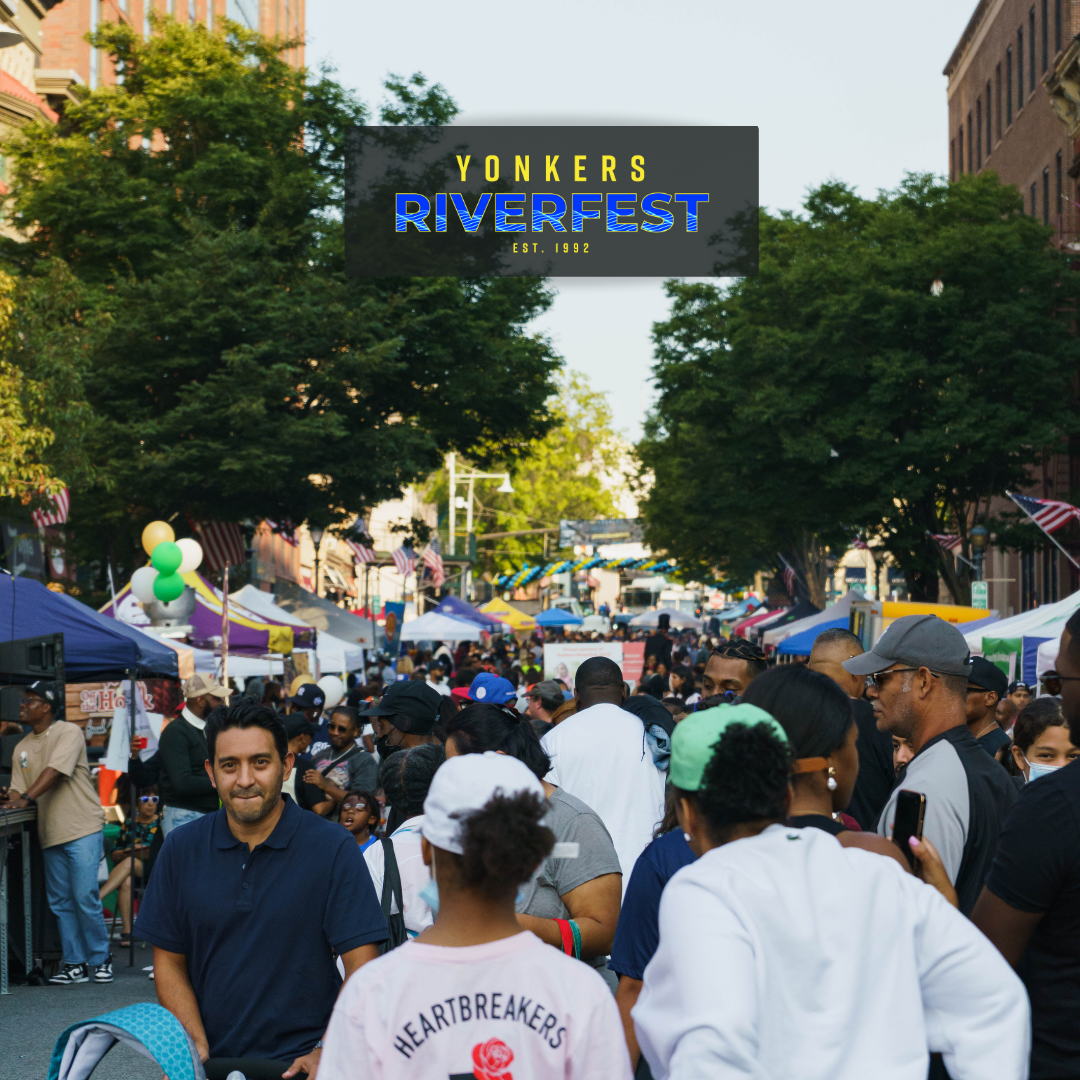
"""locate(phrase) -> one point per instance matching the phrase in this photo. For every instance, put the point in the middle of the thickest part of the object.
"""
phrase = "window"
(1008, 86)
(970, 141)
(960, 159)
(1057, 187)
(952, 159)
(146, 18)
(989, 129)
(1050, 575)
(1045, 37)
(94, 54)
(997, 100)
(244, 11)
(1031, 48)
(978, 133)
(1028, 599)
(1034, 207)
(191, 12)
(1019, 69)
(209, 14)
(1046, 195)
(1057, 26)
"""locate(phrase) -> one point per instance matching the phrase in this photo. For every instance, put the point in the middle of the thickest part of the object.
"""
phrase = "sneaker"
(70, 974)
(103, 972)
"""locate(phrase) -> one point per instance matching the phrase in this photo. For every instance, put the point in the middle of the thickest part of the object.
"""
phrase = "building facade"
(1014, 108)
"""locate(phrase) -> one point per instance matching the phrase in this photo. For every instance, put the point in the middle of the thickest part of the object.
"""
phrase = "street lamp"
(8, 38)
(471, 475)
(978, 537)
(316, 534)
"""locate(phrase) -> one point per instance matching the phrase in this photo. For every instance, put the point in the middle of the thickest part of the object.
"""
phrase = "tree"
(240, 373)
(836, 393)
(572, 472)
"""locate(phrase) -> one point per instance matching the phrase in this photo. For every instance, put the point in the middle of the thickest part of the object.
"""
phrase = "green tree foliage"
(835, 394)
(572, 472)
(238, 372)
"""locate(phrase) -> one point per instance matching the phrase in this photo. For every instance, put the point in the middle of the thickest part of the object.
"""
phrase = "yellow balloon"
(298, 682)
(155, 533)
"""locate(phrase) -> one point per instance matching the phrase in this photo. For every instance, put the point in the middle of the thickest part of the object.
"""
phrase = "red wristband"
(567, 936)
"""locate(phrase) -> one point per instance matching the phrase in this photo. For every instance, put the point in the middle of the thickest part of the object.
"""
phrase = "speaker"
(24, 660)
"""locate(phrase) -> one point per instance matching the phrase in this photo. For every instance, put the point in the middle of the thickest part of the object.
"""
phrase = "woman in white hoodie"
(785, 955)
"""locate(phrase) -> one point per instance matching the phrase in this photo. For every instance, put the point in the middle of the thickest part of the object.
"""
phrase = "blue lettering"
(579, 213)
(404, 217)
(470, 222)
(440, 212)
(504, 209)
(617, 212)
(541, 217)
(650, 207)
(692, 208)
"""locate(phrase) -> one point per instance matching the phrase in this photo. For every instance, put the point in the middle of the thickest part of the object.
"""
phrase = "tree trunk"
(810, 562)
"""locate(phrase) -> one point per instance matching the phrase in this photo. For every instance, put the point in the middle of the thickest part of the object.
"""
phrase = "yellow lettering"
(637, 168)
(463, 165)
(607, 168)
(488, 167)
(549, 169)
(521, 168)
(579, 175)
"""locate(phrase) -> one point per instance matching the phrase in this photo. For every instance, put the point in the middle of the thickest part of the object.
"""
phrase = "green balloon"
(167, 558)
(168, 586)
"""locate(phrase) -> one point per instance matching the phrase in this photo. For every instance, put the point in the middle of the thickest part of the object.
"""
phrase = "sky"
(849, 90)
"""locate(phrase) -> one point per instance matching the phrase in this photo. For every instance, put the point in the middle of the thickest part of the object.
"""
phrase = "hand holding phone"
(910, 811)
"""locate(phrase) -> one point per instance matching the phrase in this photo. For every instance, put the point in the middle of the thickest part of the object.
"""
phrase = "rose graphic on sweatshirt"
(491, 1060)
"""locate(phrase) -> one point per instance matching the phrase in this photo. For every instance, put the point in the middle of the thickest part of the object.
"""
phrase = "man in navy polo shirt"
(254, 900)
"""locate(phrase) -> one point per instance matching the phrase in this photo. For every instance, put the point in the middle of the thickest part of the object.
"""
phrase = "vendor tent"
(1016, 625)
(436, 627)
(800, 644)
(678, 618)
(785, 616)
(249, 634)
(324, 615)
(833, 614)
(741, 609)
(559, 617)
(457, 608)
(516, 618)
(95, 647)
(740, 628)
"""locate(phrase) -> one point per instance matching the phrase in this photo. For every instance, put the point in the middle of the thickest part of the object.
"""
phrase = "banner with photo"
(562, 659)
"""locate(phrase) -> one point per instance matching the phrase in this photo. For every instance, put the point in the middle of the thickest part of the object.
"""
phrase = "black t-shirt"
(993, 741)
(876, 776)
(659, 646)
(1037, 869)
(307, 795)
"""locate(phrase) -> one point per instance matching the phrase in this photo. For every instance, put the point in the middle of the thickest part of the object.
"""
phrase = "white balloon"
(142, 584)
(333, 688)
(192, 552)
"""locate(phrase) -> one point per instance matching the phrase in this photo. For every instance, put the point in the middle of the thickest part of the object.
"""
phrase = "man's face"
(1020, 698)
(312, 714)
(981, 704)
(724, 673)
(203, 705)
(1070, 689)
(299, 744)
(34, 710)
(248, 773)
(341, 731)
(535, 709)
(893, 701)
(436, 674)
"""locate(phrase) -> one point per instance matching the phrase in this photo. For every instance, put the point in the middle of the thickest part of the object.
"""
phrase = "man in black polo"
(985, 688)
(249, 903)
(920, 668)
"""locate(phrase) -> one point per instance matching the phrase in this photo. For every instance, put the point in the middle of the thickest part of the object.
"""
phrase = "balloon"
(192, 552)
(155, 533)
(333, 688)
(142, 584)
(298, 682)
(167, 557)
(168, 587)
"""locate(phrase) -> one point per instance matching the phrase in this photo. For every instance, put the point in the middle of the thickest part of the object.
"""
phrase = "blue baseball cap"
(492, 688)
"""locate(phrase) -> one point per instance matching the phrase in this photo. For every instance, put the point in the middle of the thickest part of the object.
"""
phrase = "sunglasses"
(148, 798)
(879, 677)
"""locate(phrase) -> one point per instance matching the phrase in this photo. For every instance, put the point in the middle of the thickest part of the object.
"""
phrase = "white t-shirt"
(601, 757)
(514, 1007)
(414, 874)
(787, 955)
(440, 687)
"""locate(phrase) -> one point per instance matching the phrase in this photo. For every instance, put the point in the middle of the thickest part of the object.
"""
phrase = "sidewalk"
(32, 1018)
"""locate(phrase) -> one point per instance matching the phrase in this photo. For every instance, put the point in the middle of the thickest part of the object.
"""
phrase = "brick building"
(1009, 102)
(67, 57)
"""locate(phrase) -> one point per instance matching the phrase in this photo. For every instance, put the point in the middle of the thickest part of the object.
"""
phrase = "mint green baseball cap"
(696, 737)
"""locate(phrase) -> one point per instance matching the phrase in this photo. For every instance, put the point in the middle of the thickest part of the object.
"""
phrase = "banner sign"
(395, 616)
(562, 659)
(604, 531)
(565, 201)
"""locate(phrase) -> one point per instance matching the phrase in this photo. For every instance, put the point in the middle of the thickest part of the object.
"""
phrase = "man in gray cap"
(920, 668)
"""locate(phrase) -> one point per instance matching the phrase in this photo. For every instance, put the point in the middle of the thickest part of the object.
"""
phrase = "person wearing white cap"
(474, 995)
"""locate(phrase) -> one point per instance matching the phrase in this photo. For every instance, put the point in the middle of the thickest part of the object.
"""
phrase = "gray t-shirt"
(572, 822)
(357, 773)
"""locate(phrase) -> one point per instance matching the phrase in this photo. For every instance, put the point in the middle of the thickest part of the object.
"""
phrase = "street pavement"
(32, 1018)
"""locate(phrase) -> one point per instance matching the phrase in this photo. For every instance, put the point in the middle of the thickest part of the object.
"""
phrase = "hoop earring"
(831, 783)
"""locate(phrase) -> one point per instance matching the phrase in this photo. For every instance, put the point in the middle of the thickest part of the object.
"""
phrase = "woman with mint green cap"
(784, 954)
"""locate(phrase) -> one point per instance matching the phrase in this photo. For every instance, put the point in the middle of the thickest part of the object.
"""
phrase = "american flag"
(789, 580)
(404, 559)
(433, 561)
(222, 543)
(363, 554)
(1048, 514)
(57, 513)
(860, 544)
(286, 530)
(946, 541)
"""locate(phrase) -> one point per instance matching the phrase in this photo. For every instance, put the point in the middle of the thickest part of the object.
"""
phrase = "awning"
(435, 627)
(249, 634)
(841, 609)
(800, 644)
(457, 608)
(324, 614)
(558, 617)
(516, 618)
(678, 618)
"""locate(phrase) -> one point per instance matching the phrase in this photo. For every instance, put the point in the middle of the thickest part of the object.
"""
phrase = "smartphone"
(910, 811)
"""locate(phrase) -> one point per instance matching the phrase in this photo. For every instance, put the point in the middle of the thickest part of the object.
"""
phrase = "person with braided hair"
(732, 667)
(475, 996)
(784, 954)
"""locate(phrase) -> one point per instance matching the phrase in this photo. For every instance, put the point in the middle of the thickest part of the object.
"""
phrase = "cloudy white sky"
(851, 89)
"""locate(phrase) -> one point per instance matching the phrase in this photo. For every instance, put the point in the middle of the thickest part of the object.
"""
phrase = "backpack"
(391, 890)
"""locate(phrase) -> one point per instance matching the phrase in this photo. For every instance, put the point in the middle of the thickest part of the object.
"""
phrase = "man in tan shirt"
(49, 768)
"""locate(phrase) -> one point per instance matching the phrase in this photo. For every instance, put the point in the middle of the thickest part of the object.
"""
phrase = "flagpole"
(225, 627)
(954, 553)
(1046, 534)
(795, 572)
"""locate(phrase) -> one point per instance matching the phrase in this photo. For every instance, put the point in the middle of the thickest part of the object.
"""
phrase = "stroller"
(155, 1033)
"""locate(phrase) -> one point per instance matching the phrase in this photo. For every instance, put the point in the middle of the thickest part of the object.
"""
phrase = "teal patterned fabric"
(147, 1028)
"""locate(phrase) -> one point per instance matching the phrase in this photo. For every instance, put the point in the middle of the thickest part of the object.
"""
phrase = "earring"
(687, 837)
(831, 782)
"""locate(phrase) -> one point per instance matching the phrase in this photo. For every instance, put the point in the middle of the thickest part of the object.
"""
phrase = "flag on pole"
(946, 541)
(789, 580)
(860, 544)
(1048, 514)
(404, 559)
(222, 543)
(286, 530)
(433, 561)
(363, 554)
(55, 512)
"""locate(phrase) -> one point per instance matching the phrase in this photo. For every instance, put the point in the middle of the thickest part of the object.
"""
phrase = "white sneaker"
(70, 974)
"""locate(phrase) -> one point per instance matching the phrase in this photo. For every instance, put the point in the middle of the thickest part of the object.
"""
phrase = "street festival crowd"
(514, 877)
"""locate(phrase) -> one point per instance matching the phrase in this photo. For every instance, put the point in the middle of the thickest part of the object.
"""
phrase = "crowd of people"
(693, 877)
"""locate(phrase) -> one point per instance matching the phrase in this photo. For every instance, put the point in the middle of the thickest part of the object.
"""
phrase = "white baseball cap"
(465, 784)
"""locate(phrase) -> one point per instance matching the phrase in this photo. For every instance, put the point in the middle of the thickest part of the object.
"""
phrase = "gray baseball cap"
(920, 641)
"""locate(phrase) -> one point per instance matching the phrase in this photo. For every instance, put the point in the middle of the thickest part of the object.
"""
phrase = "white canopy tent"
(435, 627)
(678, 618)
(1018, 625)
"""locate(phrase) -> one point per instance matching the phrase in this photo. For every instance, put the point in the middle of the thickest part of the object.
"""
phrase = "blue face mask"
(1037, 769)
(430, 895)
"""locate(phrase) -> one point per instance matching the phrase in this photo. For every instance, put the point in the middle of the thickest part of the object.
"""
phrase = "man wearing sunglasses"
(920, 668)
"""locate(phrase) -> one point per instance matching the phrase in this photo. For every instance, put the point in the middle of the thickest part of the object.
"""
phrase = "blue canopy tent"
(96, 647)
(457, 608)
(558, 617)
(801, 644)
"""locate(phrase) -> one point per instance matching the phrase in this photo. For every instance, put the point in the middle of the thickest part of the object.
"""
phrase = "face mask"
(384, 748)
(430, 895)
(1036, 769)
